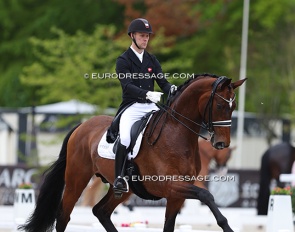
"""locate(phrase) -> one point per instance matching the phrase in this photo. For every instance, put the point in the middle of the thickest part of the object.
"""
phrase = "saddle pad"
(105, 149)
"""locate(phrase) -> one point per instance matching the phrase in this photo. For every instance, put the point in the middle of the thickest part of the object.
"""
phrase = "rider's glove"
(153, 96)
(173, 89)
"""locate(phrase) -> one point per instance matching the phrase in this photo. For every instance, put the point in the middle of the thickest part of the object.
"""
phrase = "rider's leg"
(126, 122)
(120, 184)
(134, 113)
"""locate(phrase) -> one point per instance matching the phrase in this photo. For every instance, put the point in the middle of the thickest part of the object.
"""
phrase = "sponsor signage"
(13, 176)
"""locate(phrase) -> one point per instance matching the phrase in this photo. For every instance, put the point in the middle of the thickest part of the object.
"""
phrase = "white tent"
(67, 107)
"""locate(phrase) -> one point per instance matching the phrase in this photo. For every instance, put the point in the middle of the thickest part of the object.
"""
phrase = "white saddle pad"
(105, 149)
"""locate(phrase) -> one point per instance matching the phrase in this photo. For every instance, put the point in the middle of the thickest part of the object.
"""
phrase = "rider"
(137, 71)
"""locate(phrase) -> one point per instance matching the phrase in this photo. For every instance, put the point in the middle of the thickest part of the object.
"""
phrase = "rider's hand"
(153, 96)
(173, 89)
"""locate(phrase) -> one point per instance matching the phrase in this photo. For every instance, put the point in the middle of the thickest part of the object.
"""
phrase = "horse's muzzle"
(218, 145)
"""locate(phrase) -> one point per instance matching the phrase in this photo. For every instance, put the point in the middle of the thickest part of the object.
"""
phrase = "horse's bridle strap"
(209, 125)
(224, 123)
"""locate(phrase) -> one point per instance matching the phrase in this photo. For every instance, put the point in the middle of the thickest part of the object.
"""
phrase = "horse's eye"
(219, 106)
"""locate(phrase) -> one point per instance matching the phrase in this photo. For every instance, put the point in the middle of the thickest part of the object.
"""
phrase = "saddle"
(136, 129)
(113, 130)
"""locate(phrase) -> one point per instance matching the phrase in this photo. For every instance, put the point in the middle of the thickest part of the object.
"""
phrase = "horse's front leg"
(173, 207)
(189, 191)
(105, 207)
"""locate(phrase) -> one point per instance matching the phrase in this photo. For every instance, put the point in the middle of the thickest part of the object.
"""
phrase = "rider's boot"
(120, 183)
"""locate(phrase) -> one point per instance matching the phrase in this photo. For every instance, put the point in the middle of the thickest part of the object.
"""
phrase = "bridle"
(208, 126)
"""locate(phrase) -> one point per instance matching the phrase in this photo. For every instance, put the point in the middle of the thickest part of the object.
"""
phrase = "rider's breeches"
(132, 114)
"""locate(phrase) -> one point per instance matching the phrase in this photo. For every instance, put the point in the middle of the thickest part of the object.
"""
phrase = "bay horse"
(205, 101)
(207, 154)
(276, 160)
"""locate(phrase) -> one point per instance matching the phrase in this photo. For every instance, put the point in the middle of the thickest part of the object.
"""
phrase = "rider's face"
(142, 39)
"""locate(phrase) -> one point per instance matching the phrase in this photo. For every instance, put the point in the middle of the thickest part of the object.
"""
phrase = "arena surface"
(194, 217)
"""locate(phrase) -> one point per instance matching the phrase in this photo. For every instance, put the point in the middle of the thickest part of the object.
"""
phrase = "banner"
(241, 190)
(11, 177)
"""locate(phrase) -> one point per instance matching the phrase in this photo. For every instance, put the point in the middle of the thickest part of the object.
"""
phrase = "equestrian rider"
(137, 70)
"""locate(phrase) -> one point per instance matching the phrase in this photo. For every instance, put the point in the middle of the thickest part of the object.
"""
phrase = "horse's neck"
(186, 105)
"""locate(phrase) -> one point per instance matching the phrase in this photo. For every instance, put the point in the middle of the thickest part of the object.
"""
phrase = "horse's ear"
(238, 83)
(225, 84)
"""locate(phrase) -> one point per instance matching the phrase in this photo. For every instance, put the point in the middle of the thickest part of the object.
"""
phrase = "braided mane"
(182, 87)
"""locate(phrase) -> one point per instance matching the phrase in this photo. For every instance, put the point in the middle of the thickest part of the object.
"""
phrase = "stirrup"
(121, 189)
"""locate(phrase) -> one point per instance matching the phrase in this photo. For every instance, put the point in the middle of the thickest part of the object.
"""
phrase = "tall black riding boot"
(120, 183)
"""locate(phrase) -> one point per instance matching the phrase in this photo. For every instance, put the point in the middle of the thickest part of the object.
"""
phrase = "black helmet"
(140, 25)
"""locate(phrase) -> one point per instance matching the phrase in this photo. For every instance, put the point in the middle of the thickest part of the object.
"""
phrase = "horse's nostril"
(219, 145)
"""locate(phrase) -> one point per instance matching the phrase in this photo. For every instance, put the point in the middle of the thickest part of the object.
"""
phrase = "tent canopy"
(67, 107)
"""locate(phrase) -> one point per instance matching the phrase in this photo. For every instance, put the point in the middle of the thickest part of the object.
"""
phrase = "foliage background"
(46, 48)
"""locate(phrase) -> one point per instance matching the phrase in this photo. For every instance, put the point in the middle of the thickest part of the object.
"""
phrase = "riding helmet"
(140, 25)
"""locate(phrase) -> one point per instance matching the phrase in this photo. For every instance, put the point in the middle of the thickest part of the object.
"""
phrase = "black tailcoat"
(138, 78)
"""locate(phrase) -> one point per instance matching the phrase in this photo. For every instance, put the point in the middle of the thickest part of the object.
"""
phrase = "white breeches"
(132, 114)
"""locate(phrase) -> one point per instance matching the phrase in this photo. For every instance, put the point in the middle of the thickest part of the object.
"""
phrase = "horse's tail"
(265, 178)
(50, 195)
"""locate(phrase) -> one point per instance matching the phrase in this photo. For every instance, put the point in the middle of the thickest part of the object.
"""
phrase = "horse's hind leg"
(173, 207)
(189, 191)
(103, 209)
(75, 184)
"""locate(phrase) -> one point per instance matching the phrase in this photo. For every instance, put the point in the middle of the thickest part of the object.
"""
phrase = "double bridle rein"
(208, 126)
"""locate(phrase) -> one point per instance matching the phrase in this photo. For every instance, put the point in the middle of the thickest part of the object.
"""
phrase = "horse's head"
(206, 101)
(217, 106)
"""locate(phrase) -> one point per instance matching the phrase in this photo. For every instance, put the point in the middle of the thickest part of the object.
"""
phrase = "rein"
(164, 108)
(209, 126)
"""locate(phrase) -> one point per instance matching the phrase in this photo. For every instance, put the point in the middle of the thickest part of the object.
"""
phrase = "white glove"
(153, 96)
(173, 89)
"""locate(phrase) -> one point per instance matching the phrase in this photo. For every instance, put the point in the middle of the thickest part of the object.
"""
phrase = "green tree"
(75, 66)
(20, 20)
(271, 58)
